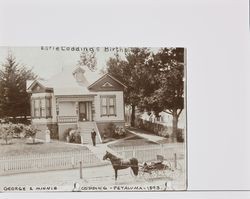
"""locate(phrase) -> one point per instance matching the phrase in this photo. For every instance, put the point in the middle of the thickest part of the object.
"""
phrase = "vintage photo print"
(81, 119)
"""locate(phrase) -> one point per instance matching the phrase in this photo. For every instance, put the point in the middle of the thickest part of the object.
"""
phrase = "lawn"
(132, 141)
(24, 147)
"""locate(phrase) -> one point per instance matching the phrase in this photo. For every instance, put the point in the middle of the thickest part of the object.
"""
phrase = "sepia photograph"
(81, 119)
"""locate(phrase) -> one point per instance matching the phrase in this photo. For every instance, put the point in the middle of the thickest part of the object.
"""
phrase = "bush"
(66, 133)
(6, 132)
(179, 136)
(120, 132)
(18, 129)
(74, 137)
(31, 131)
(113, 131)
(159, 129)
(10, 130)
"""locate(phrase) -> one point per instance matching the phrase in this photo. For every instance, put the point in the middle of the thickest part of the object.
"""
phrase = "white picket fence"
(48, 161)
(67, 160)
(150, 152)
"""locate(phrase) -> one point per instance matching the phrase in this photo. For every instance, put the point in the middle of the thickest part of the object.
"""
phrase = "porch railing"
(66, 119)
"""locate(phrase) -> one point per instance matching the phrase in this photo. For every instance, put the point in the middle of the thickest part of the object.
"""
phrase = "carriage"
(148, 170)
(160, 168)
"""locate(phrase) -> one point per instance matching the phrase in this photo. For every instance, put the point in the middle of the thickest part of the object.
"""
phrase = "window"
(48, 107)
(36, 108)
(108, 105)
(112, 106)
(104, 106)
(41, 107)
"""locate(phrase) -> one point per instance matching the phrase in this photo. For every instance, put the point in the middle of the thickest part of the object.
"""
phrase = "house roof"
(67, 83)
(104, 77)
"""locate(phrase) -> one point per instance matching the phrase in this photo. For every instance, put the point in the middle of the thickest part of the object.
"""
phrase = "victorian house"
(76, 98)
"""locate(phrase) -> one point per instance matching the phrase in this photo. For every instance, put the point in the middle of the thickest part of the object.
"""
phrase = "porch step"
(85, 129)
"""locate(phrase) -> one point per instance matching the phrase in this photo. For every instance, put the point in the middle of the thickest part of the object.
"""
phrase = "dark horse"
(119, 163)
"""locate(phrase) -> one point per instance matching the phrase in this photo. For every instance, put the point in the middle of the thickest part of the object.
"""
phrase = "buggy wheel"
(140, 173)
(176, 170)
(147, 175)
(155, 173)
(166, 170)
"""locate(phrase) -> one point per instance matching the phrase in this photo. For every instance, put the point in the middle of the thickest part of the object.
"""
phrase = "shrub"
(159, 129)
(74, 137)
(6, 131)
(31, 131)
(113, 131)
(18, 129)
(179, 136)
(66, 133)
(120, 132)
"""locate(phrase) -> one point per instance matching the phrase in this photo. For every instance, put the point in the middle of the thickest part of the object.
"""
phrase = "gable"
(107, 83)
(37, 87)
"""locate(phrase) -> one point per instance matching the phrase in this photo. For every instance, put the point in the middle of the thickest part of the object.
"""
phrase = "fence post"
(162, 149)
(175, 160)
(133, 151)
(123, 151)
(80, 169)
(73, 161)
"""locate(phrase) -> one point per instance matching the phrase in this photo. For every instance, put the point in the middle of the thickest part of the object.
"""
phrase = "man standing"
(93, 135)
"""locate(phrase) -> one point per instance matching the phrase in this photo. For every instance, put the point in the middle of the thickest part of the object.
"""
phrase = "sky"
(47, 61)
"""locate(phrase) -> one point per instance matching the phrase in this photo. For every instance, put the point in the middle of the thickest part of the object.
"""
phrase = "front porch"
(72, 109)
(77, 112)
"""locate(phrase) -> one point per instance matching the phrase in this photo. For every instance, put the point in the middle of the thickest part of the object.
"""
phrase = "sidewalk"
(150, 137)
(100, 149)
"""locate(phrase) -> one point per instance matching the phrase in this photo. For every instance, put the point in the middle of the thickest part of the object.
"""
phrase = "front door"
(84, 111)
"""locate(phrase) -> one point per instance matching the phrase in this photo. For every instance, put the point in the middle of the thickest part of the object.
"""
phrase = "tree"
(6, 132)
(88, 59)
(130, 71)
(14, 100)
(30, 132)
(169, 97)
(154, 80)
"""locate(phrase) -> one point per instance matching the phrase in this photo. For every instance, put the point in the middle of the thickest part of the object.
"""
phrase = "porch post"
(90, 110)
(77, 110)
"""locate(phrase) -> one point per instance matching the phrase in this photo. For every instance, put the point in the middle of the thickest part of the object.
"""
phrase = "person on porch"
(93, 137)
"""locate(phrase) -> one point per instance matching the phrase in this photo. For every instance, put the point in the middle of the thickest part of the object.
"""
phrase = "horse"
(119, 163)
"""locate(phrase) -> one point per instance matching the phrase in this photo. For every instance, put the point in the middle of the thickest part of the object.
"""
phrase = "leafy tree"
(14, 100)
(131, 72)
(154, 80)
(88, 59)
(169, 96)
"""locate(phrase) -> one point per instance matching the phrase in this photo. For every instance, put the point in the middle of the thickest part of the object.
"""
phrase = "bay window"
(41, 107)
